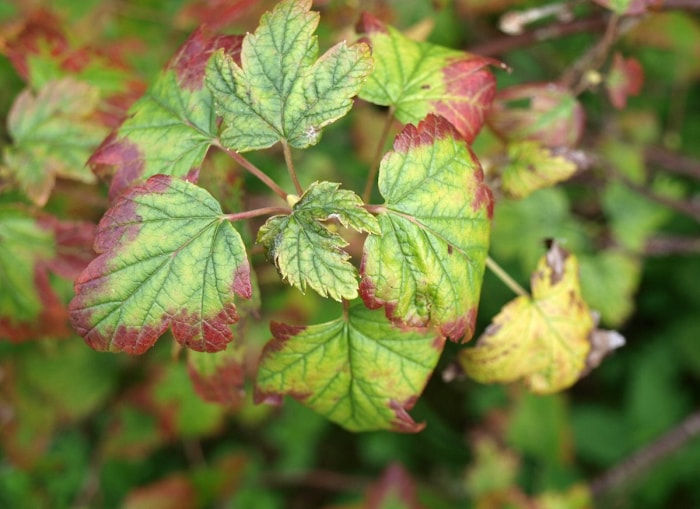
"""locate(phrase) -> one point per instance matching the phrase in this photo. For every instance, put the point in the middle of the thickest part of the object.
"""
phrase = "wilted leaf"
(531, 167)
(53, 135)
(359, 370)
(307, 252)
(419, 78)
(169, 129)
(543, 339)
(427, 266)
(169, 258)
(624, 79)
(280, 90)
(544, 112)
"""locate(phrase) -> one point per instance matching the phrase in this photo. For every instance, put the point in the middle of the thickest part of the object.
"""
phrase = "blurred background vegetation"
(85, 429)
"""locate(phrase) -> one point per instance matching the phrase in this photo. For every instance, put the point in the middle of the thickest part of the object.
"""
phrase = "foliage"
(176, 180)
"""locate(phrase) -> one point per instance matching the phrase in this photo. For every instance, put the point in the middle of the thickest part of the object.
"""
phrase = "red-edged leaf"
(169, 259)
(169, 129)
(215, 14)
(624, 79)
(394, 490)
(218, 377)
(419, 78)
(544, 112)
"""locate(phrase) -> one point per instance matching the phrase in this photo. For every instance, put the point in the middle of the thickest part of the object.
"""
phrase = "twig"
(689, 209)
(505, 277)
(248, 214)
(647, 457)
(374, 169)
(290, 166)
(671, 244)
(254, 170)
(673, 161)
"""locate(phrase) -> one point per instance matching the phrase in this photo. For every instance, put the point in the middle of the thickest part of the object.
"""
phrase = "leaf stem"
(254, 170)
(290, 166)
(374, 168)
(248, 214)
(505, 277)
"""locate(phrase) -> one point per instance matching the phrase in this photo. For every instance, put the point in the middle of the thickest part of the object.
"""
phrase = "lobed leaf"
(532, 166)
(169, 130)
(543, 339)
(544, 112)
(427, 266)
(359, 370)
(280, 90)
(168, 258)
(419, 78)
(53, 134)
(306, 252)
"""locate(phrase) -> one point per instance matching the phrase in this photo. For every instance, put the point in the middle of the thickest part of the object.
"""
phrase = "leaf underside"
(427, 266)
(359, 370)
(168, 258)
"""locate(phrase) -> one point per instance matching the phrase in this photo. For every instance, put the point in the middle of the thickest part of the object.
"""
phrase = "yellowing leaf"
(169, 258)
(531, 167)
(543, 339)
(427, 266)
(280, 90)
(359, 370)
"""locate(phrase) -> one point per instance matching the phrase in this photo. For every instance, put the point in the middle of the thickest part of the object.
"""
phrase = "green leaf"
(531, 167)
(428, 265)
(53, 134)
(306, 252)
(359, 370)
(169, 258)
(169, 130)
(419, 78)
(23, 244)
(280, 91)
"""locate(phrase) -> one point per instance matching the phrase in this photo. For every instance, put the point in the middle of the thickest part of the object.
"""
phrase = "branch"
(671, 244)
(505, 278)
(290, 166)
(673, 161)
(248, 214)
(254, 170)
(647, 457)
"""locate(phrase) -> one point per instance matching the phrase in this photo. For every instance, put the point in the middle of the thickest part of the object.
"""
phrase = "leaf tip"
(403, 422)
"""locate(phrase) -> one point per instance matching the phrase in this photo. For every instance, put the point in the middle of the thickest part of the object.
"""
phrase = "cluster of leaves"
(178, 248)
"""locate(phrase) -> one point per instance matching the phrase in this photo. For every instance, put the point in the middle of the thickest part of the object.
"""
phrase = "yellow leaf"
(543, 339)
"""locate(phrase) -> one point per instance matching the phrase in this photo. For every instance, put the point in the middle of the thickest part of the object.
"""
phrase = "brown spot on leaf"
(115, 153)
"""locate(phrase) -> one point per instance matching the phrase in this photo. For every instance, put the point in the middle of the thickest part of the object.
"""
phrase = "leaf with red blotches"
(169, 258)
(359, 370)
(218, 377)
(428, 264)
(544, 339)
(394, 490)
(215, 14)
(544, 112)
(53, 134)
(170, 129)
(73, 245)
(419, 78)
(624, 79)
